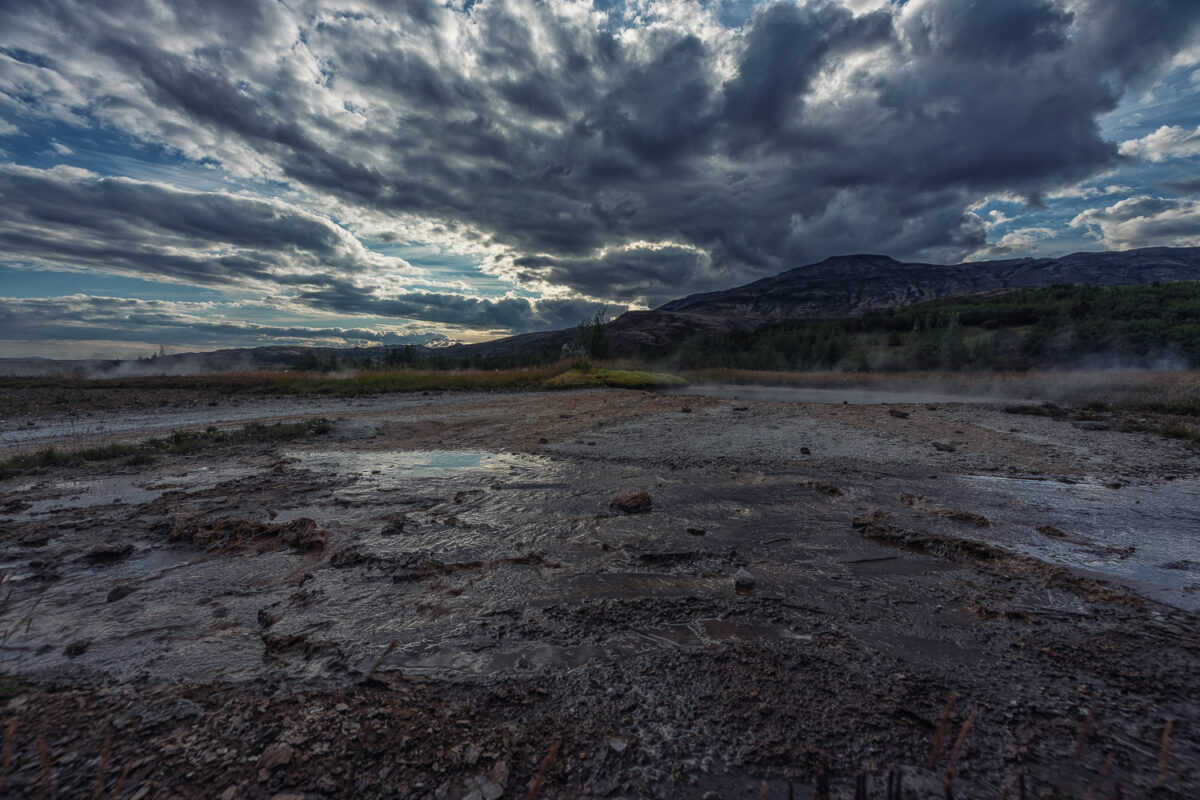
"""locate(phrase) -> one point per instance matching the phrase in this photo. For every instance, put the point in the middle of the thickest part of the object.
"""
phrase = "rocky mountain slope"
(856, 284)
(849, 285)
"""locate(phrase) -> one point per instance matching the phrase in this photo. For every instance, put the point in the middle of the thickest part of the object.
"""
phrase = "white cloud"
(1169, 141)
(1144, 221)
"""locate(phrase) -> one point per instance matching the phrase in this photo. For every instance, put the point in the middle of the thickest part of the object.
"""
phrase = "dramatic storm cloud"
(508, 165)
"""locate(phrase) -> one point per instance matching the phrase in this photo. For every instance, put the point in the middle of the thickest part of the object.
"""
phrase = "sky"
(237, 173)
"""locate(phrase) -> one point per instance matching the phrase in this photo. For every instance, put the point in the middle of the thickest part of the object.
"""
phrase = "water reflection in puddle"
(127, 489)
(411, 463)
(1141, 533)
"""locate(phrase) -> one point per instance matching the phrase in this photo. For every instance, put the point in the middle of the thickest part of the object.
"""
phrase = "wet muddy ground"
(438, 599)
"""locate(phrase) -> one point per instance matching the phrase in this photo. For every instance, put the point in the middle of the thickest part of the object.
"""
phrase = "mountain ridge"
(838, 286)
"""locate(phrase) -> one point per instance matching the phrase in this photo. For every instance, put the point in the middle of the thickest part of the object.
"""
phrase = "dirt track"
(437, 600)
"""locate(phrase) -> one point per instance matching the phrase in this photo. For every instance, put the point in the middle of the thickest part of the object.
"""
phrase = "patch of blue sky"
(1174, 100)
(102, 149)
(18, 281)
(443, 266)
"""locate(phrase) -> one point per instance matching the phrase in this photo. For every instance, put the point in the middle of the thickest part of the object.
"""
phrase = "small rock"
(1091, 425)
(618, 745)
(276, 756)
(697, 531)
(743, 581)
(77, 648)
(109, 551)
(804, 451)
(685, 409)
(471, 754)
(631, 502)
(944, 446)
(897, 413)
(543, 440)
(119, 593)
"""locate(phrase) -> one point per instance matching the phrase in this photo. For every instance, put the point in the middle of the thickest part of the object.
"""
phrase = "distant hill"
(838, 287)
(846, 286)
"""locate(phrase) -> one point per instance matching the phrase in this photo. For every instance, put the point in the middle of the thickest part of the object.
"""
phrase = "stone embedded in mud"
(827, 489)
(631, 502)
(109, 552)
(75, 649)
(743, 581)
(119, 593)
(276, 756)
(697, 531)
(350, 556)
(1091, 425)
(618, 744)
(804, 451)
(897, 413)
(944, 446)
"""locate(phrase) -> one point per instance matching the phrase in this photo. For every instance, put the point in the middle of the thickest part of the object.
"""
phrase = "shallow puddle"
(122, 489)
(1147, 534)
(393, 464)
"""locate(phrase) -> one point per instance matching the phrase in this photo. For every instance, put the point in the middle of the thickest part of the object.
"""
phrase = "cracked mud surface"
(436, 599)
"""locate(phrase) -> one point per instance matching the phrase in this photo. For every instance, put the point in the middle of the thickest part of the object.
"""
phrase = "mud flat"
(438, 598)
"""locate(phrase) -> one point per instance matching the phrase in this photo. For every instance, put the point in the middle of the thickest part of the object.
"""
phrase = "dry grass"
(350, 383)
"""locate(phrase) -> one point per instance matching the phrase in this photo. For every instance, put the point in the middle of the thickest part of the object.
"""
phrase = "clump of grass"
(293, 382)
(612, 378)
(177, 443)
(1177, 430)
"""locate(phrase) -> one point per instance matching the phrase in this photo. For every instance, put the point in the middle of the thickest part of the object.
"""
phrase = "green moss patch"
(612, 378)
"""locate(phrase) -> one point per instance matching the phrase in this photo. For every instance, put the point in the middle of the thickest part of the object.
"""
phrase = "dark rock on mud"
(897, 413)
(743, 581)
(119, 593)
(944, 446)
(109, 552)
(76, 648)
(631, 502)
(827, 489)
(1091, 425)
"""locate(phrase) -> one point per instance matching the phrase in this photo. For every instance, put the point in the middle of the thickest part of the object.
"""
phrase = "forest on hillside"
(1156, 325)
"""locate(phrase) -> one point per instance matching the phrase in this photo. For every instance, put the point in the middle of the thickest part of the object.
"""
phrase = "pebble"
(743, 580)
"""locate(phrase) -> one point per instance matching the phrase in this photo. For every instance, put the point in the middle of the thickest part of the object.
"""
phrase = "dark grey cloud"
(1186, 186)
(622, 160)
(88, 317)
(503, 314)
(76, 218)
(638, 275)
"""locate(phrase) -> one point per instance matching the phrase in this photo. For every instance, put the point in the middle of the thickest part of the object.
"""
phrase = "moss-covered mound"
(615, 378)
